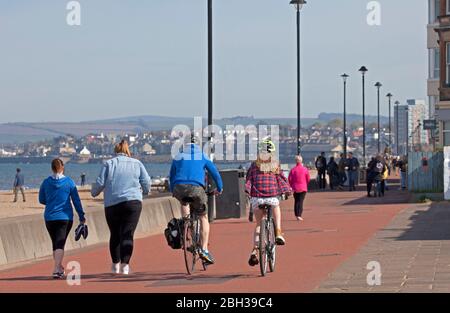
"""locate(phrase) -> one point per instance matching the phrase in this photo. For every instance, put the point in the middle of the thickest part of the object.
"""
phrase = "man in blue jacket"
(187, 181)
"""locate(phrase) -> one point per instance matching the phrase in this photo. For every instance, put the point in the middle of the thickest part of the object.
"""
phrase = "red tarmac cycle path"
(336, 225)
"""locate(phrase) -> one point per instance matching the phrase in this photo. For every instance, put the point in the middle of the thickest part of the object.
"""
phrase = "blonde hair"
(267, 163)
(122, 147)
(299, 159)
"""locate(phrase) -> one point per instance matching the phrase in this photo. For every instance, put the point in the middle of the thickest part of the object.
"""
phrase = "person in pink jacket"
(299, 179)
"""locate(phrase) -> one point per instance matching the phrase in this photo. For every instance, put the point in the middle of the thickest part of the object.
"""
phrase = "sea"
(35, 173)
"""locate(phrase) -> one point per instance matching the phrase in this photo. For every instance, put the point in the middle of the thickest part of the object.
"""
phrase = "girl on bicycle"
(266, 183)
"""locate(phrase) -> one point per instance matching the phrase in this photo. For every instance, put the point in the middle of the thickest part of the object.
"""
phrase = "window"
(446, 133)
(434, 6)
(434, 63)
(447, 7)
(447, 66)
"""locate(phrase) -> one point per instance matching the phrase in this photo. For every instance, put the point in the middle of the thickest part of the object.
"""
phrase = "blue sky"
(149, 57)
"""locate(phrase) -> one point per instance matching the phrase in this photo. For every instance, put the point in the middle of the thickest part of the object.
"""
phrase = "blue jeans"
(403, 179)
(352, 177)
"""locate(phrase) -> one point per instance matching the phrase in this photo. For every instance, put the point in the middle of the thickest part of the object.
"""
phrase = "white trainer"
(115, 268)
(125, 269)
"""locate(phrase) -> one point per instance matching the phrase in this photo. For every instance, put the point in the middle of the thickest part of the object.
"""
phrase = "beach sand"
(10, 209)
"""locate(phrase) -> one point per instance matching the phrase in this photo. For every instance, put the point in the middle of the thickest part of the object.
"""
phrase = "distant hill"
(327, 117)
(25, 132)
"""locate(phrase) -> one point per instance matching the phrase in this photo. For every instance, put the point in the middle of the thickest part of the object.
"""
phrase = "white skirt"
(256, 202)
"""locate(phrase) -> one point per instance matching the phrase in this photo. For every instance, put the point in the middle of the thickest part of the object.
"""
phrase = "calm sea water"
(36, 173)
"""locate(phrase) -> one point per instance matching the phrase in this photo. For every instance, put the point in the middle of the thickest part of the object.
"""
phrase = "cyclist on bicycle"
(266, 183)
(187, 182)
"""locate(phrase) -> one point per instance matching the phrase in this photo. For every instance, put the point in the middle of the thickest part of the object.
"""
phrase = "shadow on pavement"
(431, 224)
(49, 278)
(171, 279)
(392, 195)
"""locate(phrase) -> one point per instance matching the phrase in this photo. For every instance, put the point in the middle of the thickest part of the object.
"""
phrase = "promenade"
(328, 252)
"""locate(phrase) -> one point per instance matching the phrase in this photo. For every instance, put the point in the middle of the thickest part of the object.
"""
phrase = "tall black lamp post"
(389, 95)
(397, 103)
(363, 71)
(298, 4)
(344, 79)
(378, 85)
(210, 62)
(211, 198)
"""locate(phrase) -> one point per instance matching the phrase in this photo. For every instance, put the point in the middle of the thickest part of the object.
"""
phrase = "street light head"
(389, 95)
(397, 102)
(344, 77)
(298, 4)
(378, 85)
(363, 70)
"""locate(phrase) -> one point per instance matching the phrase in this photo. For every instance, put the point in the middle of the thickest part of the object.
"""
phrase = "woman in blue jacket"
(123, 181)
(57, 193)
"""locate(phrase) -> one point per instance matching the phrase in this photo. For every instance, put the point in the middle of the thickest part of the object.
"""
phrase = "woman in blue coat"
(57, 193)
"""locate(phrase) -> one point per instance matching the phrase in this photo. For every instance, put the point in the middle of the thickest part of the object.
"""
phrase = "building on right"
(442, 110)
(434, 57)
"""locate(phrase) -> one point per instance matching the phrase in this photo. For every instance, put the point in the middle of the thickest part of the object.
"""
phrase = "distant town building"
(410, 119)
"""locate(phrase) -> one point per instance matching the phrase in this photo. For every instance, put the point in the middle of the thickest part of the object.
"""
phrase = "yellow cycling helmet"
(267, 146)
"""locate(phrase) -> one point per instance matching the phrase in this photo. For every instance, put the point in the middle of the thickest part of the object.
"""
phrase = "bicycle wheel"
(189, 247)
(272, 254)
(262, 247)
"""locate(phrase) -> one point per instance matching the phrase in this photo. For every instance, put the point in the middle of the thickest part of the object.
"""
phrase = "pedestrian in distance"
(353, 167)
(370, 174)
(341, 171)
(83, 179)
(58, 193)
(402, 164)
(379, 174)
(19, 185)
(299, 179)
(333, 174)
(321, 167)
(124, 181)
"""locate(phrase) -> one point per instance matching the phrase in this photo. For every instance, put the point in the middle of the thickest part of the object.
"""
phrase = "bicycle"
(192, 243)
(267, 244)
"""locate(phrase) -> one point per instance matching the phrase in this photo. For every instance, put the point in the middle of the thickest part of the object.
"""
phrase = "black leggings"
(122, 221)
(299, 198)
(58, 231)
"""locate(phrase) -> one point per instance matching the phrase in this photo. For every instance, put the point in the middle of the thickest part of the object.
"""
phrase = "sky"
(136, 57)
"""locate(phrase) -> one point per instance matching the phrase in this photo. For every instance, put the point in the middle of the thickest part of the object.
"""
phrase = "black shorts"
(193, 195)
(58, 231)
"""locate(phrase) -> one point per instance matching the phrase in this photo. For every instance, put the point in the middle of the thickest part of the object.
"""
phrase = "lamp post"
(363, 71)
(344, 79)
(210, 63)
(211, 198)
(378, 85)
(298, 5)
(389, 95)
(397, 103)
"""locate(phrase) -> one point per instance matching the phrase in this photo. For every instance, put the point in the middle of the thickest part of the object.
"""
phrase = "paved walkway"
(413, 252)
(337, 225)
